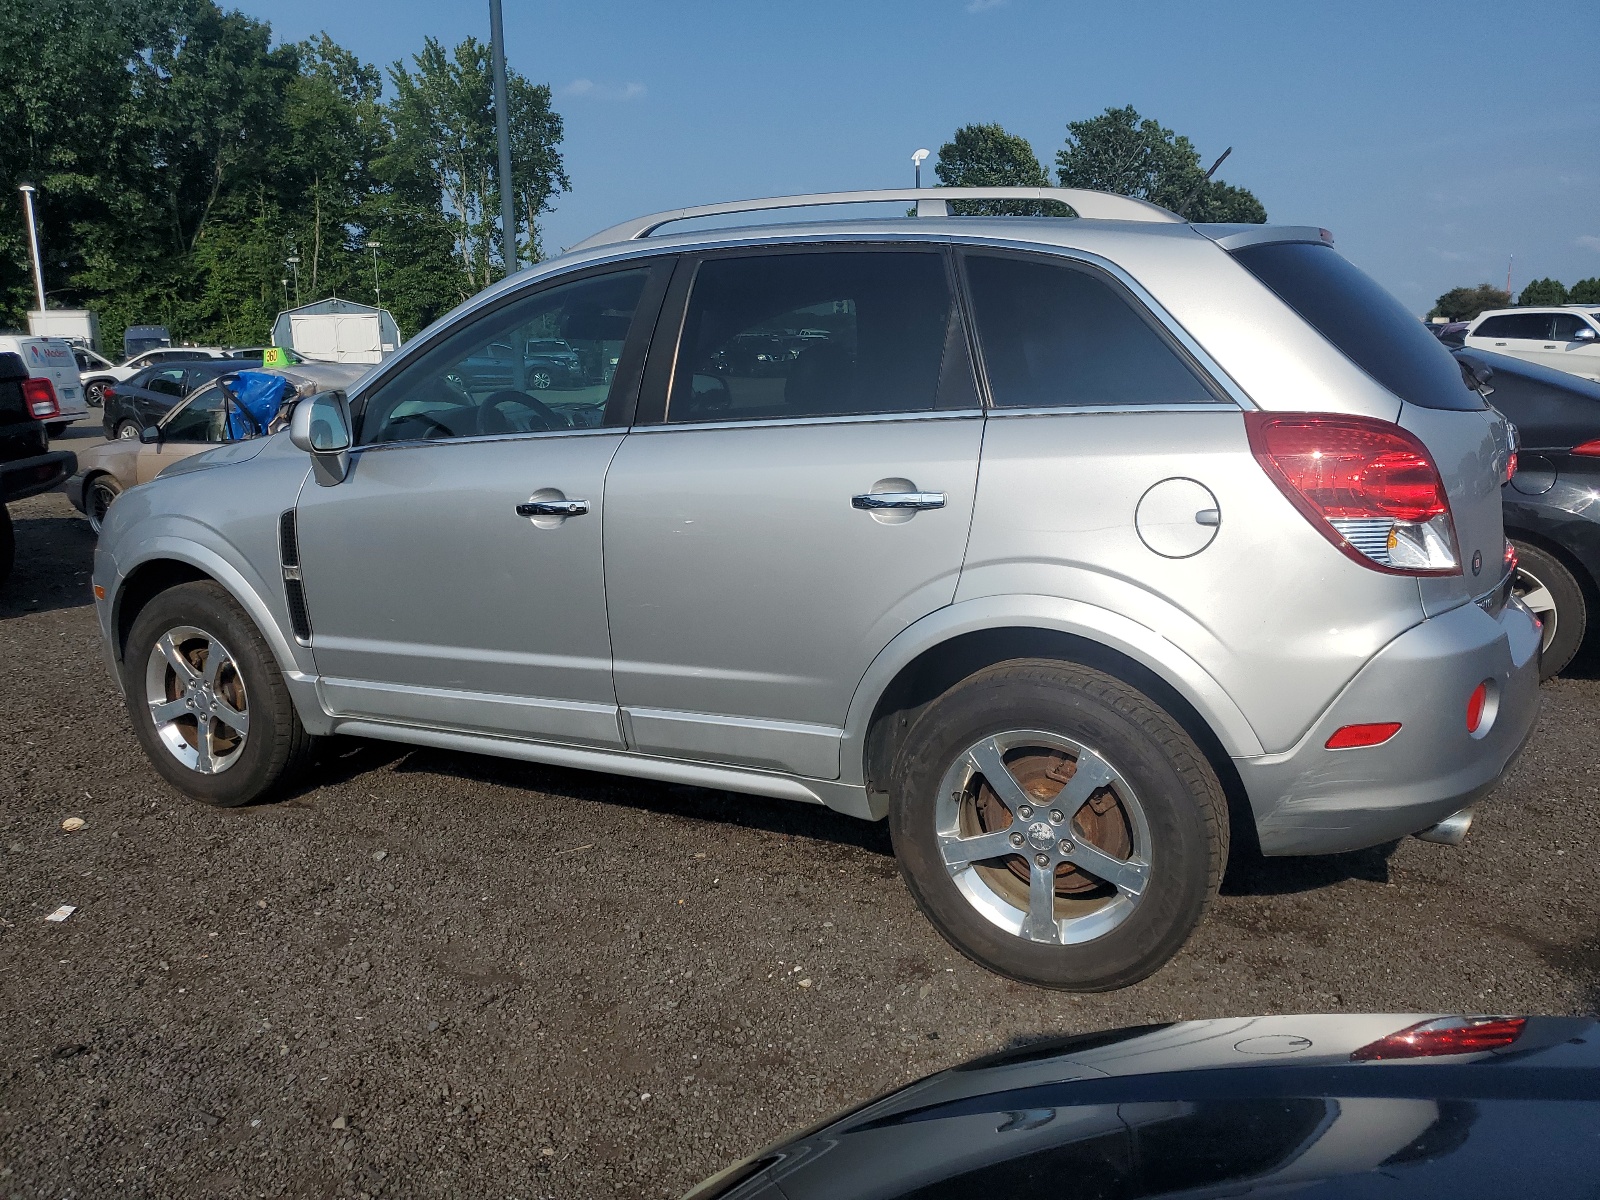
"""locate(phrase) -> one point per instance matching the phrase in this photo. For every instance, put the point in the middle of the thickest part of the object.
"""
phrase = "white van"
(51, 358)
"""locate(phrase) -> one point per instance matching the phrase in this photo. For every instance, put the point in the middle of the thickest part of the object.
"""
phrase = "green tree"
(988, 156)
(1120, 151)
(1543, 291)
(1585, 291)
(1464, 303)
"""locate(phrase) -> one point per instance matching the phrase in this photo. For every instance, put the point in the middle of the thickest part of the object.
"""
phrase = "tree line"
(182, 161)
(1464, 303)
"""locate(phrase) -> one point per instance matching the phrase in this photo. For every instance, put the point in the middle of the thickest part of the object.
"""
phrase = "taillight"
(1447, 1035)
(1508, 561)
(1366, 485)
(40, 395)
(1588, 449)
(107, 392)
(1348, 737)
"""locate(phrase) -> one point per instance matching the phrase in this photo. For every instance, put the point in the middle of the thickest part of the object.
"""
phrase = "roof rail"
(930, 202)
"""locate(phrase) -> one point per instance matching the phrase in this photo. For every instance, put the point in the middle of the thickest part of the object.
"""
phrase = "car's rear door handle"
(553, 508)
(913, 500)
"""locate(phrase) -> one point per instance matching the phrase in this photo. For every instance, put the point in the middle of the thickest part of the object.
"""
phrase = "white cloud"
(1589, 241)
(603, 91)
(978, 6)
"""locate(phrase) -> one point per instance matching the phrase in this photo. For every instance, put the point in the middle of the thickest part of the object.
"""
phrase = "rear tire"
(1556, 597)
(128, 430)
(220, 661)
(8, 545)
(1087, 893)
(94, 394)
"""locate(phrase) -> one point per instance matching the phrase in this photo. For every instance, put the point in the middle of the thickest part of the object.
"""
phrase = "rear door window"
(788, 335)
(1057, 336)
(1369, 325)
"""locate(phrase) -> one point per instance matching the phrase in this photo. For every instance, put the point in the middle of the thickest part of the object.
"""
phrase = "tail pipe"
(1451, 831)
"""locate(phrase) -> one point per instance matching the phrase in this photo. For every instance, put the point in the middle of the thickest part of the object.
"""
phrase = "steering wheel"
(548, 417)
(434, 424)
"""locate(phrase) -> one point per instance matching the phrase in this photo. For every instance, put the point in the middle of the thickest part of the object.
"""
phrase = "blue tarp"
(258, 397)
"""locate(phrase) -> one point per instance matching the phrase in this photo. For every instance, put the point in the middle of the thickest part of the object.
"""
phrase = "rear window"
(1361, 319)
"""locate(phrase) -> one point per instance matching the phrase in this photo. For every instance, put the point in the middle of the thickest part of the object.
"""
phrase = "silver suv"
(1077, 547)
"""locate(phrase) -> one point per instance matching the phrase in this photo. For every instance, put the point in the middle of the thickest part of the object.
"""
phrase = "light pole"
(27, 190)
(294, 265)
(916, 161)
(376, 290)
(502, 130)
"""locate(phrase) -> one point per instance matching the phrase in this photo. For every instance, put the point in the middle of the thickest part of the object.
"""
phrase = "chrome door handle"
(553, 508)
(913, 500)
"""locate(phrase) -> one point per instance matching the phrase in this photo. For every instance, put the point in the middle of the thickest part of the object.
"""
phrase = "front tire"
(207, 700)
(1556, 597)
(127, 430)
(98, 494)
(1057, 826)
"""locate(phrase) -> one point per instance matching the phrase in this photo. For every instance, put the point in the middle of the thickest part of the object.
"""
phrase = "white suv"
(1566, 337)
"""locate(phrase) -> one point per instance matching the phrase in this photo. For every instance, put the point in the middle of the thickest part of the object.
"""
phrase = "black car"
(1552, 503)
(147, 397)
(1331, 1106)
(27, 464)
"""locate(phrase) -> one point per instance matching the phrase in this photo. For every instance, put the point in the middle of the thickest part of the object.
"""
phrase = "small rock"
(805, 983)
(261, 903)
(209, 1120)
(15, 847)
(827, 924)
(433, 1026)
(341, 1122)
(73, 824)
(546, 1152)
(62, 1053)
(379, 855)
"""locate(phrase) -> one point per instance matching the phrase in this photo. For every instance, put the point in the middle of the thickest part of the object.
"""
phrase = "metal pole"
(502, 129)
(27, 190)
(376, 290)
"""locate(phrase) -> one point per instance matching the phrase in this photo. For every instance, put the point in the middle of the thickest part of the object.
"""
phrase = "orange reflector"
(1348, 737)
(1475, 703)
(99, 592)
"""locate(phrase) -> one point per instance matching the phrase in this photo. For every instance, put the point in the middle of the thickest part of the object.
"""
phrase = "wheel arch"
(922, 663)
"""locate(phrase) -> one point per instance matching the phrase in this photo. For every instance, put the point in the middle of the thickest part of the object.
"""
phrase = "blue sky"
(1435, 140)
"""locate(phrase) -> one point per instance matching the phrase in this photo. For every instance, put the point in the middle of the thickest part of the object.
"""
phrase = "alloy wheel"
(97, 503)
(197, 699)
(1533, 592)
(1043, 836)
(127, 431)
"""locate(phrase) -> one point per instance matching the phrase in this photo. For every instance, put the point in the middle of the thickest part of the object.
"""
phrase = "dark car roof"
(1219, 1108)
(199, 366)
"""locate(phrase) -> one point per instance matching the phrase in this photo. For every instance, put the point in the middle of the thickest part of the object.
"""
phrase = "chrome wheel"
(127, 431)
(97, 501)
(1043, 836)
(541, 381)
(1533, 592)
(197, 699)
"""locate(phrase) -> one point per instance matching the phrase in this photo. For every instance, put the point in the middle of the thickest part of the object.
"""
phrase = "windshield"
(1368, 324)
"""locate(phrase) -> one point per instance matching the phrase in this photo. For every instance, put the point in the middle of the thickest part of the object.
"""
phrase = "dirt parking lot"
(429, 974)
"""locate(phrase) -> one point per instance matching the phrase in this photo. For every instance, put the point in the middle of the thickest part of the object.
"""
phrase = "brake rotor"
(1042, 772)
(229, 686)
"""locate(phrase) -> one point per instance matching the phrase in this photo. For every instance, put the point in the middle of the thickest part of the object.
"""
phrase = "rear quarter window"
(1365, 322)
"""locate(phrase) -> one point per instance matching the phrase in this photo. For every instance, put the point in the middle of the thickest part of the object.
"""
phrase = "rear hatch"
(1468, 441)
(52, 359)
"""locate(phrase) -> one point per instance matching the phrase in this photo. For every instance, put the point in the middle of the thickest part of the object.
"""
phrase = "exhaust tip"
(1451, 831)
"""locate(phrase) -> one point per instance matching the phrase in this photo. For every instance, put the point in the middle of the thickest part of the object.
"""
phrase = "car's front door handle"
(553, 508)
(913, 500)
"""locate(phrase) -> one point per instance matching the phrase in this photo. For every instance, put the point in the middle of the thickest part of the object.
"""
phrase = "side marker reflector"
(1348, 737)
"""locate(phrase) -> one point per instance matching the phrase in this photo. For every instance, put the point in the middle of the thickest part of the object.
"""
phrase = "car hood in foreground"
(1322, 1105)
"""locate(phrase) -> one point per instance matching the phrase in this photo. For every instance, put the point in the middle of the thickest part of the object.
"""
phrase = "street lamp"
(285, 282)
(27, 190)
(376, 290)
(916, 161)
(294, 264)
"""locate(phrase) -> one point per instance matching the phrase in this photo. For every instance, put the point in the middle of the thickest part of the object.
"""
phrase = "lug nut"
(1055, 816)
(1016, 839)
(1024, 811)
(1066, 846)
(1042, 859)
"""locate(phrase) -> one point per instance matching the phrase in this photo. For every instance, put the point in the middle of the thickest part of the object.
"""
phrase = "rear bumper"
(30, 476)
(1312, 800)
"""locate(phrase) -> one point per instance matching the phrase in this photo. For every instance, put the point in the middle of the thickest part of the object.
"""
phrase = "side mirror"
(1585, 334)
(321, 427)
(150, 435)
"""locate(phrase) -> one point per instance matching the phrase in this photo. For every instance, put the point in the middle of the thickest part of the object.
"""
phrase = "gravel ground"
(429, 974)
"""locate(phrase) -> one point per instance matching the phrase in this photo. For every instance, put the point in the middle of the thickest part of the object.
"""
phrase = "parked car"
(204, 419)
(27, 464)
(51, 358)
(1566, 338)
(95, 384)
(1367, 1107)
(1451, 333)
(1549, 503)
(1185, 512)
(132, 404)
